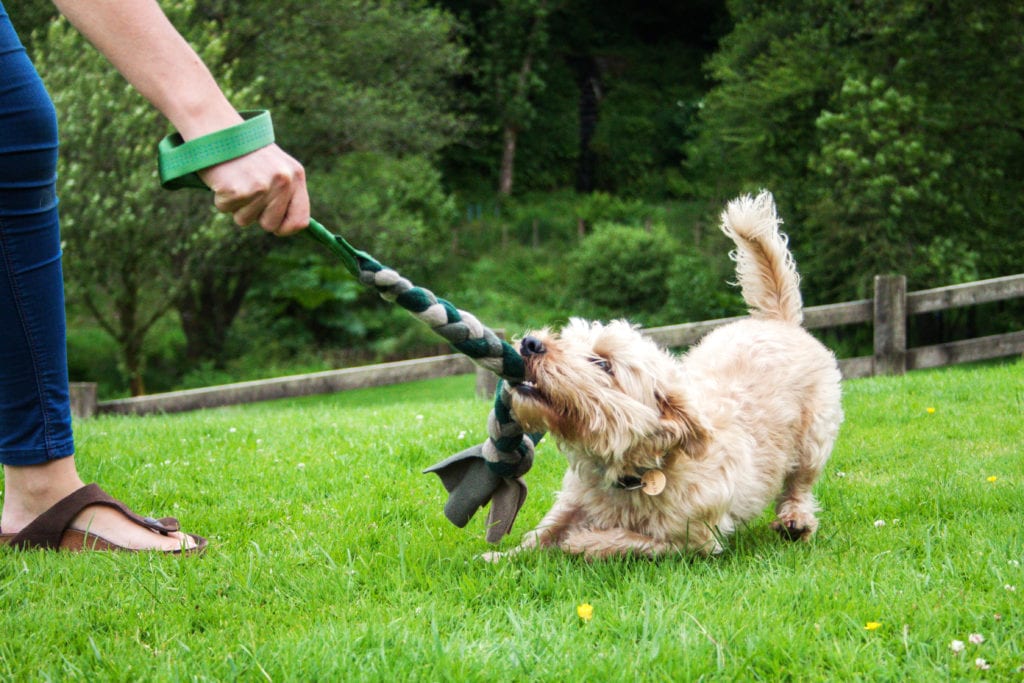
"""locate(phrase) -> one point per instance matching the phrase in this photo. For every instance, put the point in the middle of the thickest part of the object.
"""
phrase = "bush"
(619, 271)
(699, 289)
(520, 288)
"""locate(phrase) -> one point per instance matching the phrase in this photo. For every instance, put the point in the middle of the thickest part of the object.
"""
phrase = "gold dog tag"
(653, 482)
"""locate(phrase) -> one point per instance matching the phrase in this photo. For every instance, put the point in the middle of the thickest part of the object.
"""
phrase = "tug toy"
(488, 472)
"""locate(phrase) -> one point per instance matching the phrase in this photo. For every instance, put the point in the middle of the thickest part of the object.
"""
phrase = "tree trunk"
(511, 132)
(207, 312)
(591, 95)
(508, 161)
(211, 301)
(131, 350)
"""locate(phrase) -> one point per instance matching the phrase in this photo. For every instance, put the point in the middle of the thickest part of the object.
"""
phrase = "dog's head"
(606, 392)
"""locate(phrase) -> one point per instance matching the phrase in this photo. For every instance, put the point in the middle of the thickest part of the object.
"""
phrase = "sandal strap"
(47, 530)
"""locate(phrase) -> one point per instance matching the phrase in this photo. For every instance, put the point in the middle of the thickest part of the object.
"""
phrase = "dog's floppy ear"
(681, 428)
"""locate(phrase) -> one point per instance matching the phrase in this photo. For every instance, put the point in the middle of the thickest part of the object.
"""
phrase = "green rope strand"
(508, 451)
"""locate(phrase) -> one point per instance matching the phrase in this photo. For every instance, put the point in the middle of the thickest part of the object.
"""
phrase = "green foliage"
(620, 272)
(646, 118)
(511, 40)
(885, 189)
(305, 298)
(649, 277)
(889, 138)
(394, 208)
(517, 289)
(535, 64)
(699, 289)
(349, 76)
(92, 357)
(773, 74)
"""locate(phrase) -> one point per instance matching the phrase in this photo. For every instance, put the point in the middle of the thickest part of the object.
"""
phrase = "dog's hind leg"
(795, 509)
(796, 506)
(602, 543)
(700, 538)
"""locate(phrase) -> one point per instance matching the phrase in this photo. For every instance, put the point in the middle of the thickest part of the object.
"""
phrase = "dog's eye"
(602, 363)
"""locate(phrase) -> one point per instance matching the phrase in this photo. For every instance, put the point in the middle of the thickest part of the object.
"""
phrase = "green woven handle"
(179, 160)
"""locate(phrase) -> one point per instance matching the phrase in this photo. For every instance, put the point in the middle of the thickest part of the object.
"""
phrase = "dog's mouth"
(529, 389)
(532, 388)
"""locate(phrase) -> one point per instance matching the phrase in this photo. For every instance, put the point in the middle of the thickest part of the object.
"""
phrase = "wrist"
(202, 118)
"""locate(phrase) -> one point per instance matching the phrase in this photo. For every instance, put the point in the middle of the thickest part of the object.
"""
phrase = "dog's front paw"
(794, 527)
(493, 557)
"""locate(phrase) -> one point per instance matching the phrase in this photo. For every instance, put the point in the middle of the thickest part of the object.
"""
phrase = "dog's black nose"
(531, 346)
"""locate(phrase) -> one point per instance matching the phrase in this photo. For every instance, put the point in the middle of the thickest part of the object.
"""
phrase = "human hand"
(266, 186)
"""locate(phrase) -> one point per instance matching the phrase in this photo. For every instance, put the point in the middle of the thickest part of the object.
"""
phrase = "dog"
(669, 455)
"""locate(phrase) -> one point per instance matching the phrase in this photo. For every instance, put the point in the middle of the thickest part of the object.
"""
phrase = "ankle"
(31, 490)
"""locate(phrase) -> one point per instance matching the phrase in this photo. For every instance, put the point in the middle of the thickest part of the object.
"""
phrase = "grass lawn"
(330, 557)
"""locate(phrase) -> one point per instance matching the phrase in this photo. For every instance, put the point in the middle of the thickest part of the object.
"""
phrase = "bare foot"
(32, 490)
(112, 526)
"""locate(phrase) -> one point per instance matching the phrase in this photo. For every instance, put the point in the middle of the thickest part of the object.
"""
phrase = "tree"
(129, 246)
(509, 45)
(372, 77)
(596, 95)
(892, 134)
(884, 194)
(513, 92)
(343, 77)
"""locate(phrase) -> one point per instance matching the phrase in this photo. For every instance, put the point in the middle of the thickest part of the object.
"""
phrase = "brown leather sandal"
(50, 530)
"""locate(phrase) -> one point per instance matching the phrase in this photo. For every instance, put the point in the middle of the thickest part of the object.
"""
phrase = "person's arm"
(267, 186)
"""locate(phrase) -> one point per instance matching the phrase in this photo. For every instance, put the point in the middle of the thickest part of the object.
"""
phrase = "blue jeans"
(35, 412)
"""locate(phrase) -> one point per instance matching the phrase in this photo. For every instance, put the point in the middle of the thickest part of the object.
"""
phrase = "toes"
(793, 530)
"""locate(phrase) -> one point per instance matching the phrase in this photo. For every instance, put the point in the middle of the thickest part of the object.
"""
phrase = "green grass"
(330, 558)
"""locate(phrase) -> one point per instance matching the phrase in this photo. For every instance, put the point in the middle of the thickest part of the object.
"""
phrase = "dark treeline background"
(535, 159)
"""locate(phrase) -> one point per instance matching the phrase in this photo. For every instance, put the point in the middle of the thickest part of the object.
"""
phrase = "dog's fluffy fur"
(746, 417)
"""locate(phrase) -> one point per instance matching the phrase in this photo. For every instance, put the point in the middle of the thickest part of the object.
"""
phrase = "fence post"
(83, 399)
(890, 325)
(487, 381)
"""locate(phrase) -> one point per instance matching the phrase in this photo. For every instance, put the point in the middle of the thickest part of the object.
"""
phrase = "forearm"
(141, 43)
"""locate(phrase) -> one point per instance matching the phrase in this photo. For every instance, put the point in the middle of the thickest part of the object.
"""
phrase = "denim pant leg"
(35, 414)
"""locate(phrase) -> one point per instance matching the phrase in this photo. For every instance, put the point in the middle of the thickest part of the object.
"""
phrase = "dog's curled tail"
(765, 270)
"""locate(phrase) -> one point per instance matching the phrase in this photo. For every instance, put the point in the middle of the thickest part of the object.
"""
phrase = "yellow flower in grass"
(992, 479)
(585, 611)
(872, 625)
(930, 410)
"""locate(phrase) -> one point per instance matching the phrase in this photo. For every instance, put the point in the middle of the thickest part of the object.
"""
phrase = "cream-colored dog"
(669, 454)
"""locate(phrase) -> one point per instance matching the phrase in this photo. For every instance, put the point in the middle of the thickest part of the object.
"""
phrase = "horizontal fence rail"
(887, 311)
(293, 386)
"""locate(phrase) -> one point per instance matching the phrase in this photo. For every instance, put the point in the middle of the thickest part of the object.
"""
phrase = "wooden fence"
(888, 311)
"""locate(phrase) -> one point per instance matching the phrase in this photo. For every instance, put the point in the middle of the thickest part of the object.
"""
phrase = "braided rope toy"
(490, 471)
